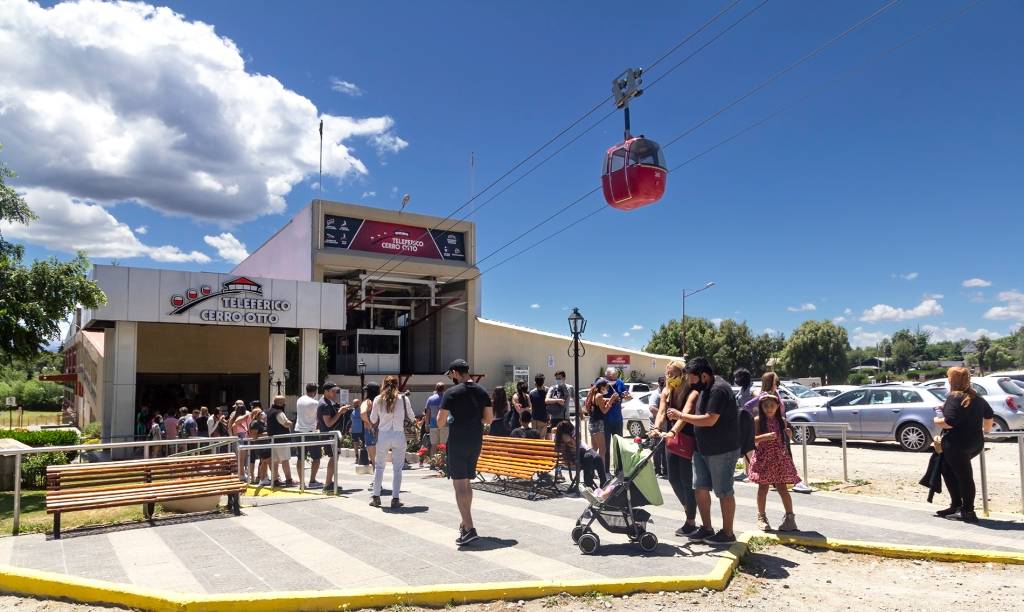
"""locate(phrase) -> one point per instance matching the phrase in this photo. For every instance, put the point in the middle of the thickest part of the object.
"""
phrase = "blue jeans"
(680, 476)
(714, 472)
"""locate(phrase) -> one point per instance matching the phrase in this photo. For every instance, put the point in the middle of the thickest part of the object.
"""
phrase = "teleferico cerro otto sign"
(234, 309)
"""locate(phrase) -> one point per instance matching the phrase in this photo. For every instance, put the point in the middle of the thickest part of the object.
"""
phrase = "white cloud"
(345, 87)
(67, 225)
(127, 101)
(976, 297)
(535, 306)
(636, 327)
(976, 282)
(933, 296)
(864, 338)
(605, 336)
(958, 333)
(716, 321)
(369, 194)
(908, 276)
(228, 247)
(839, 319)
(141, 230)
(808, 307)
(625, 334)
(770, 331)
(1013, 309)
(847, 311)
(885, 312)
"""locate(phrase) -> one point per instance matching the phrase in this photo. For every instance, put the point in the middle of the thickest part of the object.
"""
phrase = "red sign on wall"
(392, 238)
(618, 360)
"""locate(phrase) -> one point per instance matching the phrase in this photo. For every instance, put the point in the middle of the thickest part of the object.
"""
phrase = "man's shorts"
(368, 438)
(714, 472)
(316, 452)
(280, 453)
(595, 426)
(462, 461)
(438, 435)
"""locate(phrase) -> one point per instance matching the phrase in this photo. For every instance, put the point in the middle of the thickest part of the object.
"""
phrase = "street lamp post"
(682, 326)
(361, 368)
(577, 325)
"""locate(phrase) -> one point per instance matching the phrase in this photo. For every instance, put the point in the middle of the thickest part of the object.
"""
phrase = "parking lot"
(883, 470)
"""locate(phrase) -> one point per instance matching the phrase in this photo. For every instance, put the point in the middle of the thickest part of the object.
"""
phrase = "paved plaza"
(291, 541)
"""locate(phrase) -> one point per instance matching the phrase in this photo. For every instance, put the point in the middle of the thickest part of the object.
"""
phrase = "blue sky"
(863, 204)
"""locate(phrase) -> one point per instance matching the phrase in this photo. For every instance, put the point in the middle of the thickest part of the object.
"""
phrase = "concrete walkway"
(315, 541)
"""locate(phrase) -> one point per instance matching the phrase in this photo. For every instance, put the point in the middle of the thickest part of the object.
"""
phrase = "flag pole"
(321, 183)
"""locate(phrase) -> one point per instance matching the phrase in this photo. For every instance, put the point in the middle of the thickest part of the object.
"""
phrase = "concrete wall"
(498, 344)
(176, 349)
(288, 254)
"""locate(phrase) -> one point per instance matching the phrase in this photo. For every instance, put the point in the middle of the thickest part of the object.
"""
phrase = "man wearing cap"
(466, 407)
(328, 418)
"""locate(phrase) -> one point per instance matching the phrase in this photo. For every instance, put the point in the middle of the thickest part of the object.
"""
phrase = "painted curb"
(52, 585)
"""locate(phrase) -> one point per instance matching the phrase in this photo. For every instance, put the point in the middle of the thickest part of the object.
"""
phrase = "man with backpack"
(187, 427)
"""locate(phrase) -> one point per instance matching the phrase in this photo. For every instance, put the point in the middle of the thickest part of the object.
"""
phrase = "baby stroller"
(616, 506)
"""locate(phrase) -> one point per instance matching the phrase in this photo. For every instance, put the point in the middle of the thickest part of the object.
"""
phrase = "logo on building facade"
(241, 301)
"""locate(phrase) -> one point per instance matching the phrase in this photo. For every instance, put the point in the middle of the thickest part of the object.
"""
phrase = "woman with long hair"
(596, 408)
(499, 427)
(677, 398)
(521, 399)
(966, 417)
(239, 425)
(371, 391)
(388, 415)
(586, 460)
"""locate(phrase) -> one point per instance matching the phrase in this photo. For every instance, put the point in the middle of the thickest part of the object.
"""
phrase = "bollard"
(17, 494)
(984, 484)
(846, 477)
(806, 481)
(334, 474)
(300, 464)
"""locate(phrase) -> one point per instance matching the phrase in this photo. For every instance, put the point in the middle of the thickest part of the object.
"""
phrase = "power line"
(774, 77)
(945, 18)
(572, 125)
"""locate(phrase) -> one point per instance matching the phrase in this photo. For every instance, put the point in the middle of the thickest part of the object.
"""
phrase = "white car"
(636, 414)
(806, 397)
(1002, 393)
(1016, 375)
(834, 390)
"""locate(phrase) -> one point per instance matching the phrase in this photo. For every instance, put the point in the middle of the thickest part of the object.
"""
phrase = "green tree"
(734, 348)
(818, 348)
(35, 298)
(983, 344)
(902, 354)
(1018, 347)
(701, 338)
(766, 347)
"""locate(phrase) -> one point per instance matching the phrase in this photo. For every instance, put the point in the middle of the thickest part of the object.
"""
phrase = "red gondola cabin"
(634, 174)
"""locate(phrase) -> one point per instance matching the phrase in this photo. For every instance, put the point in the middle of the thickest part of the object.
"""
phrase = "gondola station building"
(382, 291)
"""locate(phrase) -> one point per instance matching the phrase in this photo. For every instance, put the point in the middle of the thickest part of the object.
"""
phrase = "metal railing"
(841, 426)
(1020, 464)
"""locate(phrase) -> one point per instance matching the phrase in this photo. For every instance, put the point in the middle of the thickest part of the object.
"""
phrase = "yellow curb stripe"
(51, 585)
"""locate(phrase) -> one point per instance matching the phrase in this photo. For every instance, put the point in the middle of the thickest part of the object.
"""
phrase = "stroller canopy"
(634, 463)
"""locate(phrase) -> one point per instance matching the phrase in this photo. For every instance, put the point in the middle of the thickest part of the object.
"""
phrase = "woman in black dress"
(966, 417)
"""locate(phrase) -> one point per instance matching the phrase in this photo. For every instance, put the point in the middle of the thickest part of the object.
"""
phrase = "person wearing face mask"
(466, 407)
(677, 398)
(654, 404)
(558, 399)
(716, 427)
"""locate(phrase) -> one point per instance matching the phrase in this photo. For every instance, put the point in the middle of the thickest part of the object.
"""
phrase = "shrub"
(92, 431)
(33, 468)
(45, 437)
(857, 378)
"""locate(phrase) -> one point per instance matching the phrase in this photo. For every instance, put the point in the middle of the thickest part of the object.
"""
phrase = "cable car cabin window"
(618, 161)
(646, 152)
(378, 345)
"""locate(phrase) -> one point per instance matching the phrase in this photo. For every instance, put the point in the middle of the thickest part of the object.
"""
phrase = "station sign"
(354, 234)
(239, 300)
(618, 360)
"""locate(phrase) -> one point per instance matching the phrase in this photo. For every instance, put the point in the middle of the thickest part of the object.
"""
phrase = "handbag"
(681, 445)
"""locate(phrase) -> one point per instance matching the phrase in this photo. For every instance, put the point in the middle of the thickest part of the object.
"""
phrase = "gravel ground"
(772, 579)
(882, 469)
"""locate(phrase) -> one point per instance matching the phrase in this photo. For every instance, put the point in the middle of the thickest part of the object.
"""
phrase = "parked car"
(1002, 393)
(902, 413)
(789, 401)
(1016, 375)
(834, 390)
(636, 414)
(806, 397)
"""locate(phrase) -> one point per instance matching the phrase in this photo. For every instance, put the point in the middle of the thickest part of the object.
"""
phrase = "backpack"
(183, 427)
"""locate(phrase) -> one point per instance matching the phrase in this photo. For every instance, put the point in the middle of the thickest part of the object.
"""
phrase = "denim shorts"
(714, 472)
(595, 426)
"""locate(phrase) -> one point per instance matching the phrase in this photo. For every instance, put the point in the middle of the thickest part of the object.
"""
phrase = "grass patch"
(835, 485)
(34, 518)
(29, 417)
(758, 543)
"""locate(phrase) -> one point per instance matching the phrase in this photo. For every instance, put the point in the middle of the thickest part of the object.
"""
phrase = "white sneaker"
(265, 482)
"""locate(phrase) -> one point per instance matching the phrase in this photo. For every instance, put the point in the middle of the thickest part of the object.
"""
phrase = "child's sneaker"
(788, 523)
(762, 523)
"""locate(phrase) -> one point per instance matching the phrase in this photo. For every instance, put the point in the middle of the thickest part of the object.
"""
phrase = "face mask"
(559, 380)
(674, 382)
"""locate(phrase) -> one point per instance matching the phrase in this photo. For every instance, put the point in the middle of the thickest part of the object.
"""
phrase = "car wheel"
(998, 426)
(636, 429)
(913, 437)
(648, 542)
(800, 432)
(588, 543)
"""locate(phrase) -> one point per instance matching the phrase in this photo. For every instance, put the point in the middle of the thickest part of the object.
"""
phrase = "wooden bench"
(90, 486)
(519, 459)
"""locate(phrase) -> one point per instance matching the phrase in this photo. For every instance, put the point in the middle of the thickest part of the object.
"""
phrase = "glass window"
(979, 389)
(851, 398)
(378, 344)
(646, 152)
(646, 399)
(618, 161)
(640, 388)
(1010, 387)
(908, 397)
(940, 393)
(881, 396)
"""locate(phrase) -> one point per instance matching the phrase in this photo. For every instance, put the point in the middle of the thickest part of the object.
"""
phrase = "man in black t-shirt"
(716, 428)
(466, 407)
(329, 415)
(539, 406)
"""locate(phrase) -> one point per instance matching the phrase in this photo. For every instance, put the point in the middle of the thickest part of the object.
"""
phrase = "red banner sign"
(392, 238)
(618, 360)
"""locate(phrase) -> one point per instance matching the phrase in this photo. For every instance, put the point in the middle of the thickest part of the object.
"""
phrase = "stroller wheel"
(588, 543)
(648, 542)
(577, 532)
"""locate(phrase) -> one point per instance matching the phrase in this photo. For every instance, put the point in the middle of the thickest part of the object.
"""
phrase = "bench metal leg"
(236, 503)
(56, 525)
(148, 510)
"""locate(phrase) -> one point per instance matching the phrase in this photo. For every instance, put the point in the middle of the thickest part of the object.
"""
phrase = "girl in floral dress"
(771, 465)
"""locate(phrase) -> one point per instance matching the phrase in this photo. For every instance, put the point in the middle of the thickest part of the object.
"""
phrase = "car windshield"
(802, 391)
(940, 393)
(1011, 386)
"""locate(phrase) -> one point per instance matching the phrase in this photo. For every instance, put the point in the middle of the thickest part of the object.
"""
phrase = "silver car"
(902, 413)
(1003, 393)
